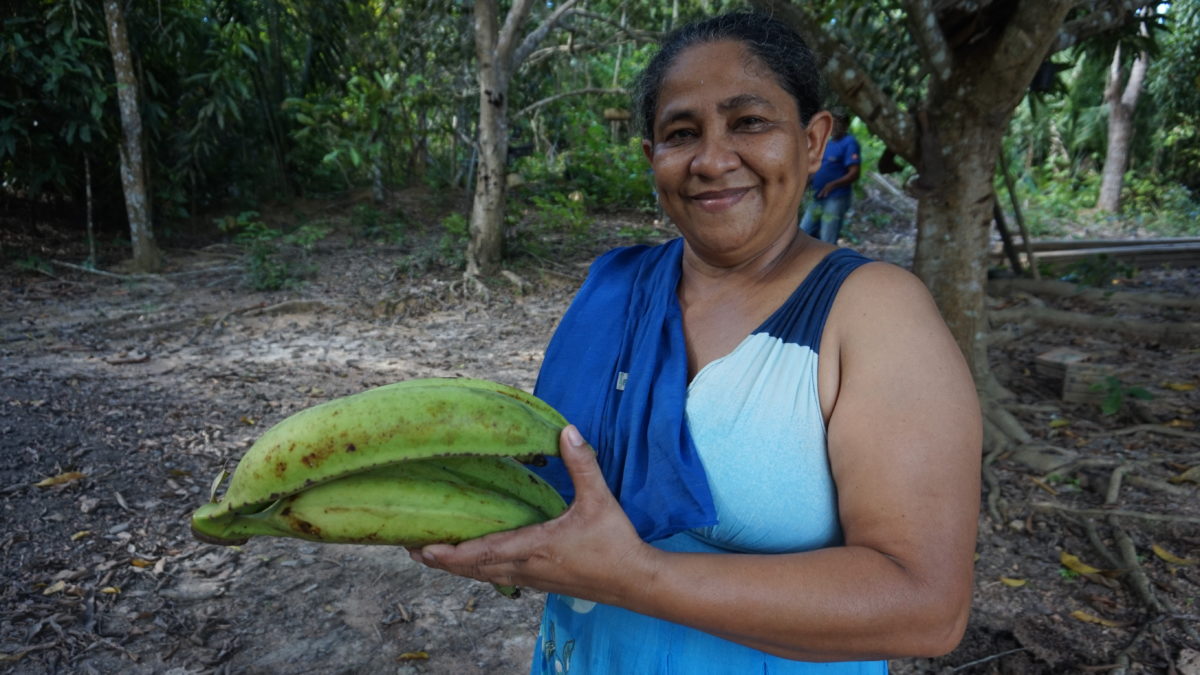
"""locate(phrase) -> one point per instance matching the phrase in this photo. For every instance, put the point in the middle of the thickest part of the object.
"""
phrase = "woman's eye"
(679, 134)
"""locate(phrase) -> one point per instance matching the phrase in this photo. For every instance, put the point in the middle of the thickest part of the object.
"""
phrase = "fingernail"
(573, 436)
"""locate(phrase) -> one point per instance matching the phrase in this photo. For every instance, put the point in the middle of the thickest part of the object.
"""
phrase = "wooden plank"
(1080, 382)
(1142, 254)
(1070, 244)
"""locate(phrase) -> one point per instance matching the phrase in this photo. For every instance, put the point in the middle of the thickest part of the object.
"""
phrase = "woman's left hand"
(591, 551)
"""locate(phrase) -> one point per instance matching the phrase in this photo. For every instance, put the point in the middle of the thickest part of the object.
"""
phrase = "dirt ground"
(148, 386)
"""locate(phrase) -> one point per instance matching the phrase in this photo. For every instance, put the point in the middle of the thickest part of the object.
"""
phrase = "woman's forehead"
(723, 73)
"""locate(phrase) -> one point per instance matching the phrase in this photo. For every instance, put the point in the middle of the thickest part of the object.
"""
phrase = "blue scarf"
(617, 369)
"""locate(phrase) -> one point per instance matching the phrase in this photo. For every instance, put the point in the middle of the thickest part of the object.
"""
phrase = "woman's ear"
(817, 134)
(648, 149)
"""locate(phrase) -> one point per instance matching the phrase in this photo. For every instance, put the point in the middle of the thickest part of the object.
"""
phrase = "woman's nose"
(715, 155)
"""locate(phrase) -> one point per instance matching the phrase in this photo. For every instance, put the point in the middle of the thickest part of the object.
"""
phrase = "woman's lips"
(719, 200)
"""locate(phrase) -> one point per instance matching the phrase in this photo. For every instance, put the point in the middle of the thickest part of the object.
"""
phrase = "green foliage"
(611, 175)
(564, 213)
(267, 269)
(452, 247)
(1117, 394)
(54, 95)
(1162, 207)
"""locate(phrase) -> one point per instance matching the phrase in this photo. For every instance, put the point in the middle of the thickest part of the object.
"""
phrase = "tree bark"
(499, 55)
(1121, 106)
(146, 257)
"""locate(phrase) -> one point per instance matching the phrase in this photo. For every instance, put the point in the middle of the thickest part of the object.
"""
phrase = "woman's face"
(730, 155)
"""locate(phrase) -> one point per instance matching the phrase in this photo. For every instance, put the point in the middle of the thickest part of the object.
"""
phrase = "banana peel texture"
(424, 461)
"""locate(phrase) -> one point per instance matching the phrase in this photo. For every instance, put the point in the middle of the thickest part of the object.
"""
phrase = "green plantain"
(408, 504)
(405, 421)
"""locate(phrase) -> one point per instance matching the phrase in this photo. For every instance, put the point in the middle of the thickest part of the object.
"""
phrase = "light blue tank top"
(755, 418)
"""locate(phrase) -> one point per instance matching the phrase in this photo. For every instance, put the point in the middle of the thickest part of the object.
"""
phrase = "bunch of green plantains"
(438, 460)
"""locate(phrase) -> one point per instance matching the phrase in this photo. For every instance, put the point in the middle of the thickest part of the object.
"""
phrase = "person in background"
(775, 443)
(833, 183)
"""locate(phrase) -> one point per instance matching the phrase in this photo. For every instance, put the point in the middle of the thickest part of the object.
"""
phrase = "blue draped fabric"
(617, 369)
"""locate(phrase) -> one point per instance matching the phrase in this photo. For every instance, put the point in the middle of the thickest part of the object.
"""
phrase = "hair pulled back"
(771, 41)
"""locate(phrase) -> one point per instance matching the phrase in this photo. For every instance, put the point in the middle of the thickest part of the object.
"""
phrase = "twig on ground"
(985, 659)
(1137, 576)
(1157, 429)
(1114, 484)
(1098, 544)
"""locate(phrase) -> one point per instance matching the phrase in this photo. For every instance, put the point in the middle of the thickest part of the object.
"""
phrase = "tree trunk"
(146, 257)
(499, 54)
(954, 219)
(486, 247)
(1121, 106)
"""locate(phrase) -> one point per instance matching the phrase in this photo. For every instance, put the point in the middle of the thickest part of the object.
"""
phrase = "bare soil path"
(134, 393)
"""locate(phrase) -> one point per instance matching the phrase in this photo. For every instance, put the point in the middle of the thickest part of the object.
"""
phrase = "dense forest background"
(248, 103)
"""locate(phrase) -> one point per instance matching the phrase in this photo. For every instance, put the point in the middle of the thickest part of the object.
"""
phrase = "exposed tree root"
(1099, 296)
(1157, 429)
(1117, 513)
(1175, 333)
(471, 286)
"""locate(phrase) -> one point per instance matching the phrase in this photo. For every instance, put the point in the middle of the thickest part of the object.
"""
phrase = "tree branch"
(633, 33)
(923, 24)
(1021, 48)
(1105, 15)
(538, 34)
(506, 39)
(850, 80)
(577, 92)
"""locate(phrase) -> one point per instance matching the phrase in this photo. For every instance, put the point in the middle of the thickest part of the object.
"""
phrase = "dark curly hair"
(771, 41)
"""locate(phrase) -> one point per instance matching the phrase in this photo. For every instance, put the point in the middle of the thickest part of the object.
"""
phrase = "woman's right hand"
(591, 551)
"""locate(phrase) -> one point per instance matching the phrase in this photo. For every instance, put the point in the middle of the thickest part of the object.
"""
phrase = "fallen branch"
(1117, 513)
(1186, 332)
(1108, 298)
(1157, 429)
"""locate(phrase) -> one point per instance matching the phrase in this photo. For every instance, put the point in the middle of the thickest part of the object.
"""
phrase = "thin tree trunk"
(146, 257)
(1121, 106)
(499, 53)
(485, 249)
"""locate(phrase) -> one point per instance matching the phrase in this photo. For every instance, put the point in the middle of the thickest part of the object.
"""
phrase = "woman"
(787, 437)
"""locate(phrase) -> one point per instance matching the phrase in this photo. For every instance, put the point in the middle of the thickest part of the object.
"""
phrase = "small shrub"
(452, 247)
(1117, 394)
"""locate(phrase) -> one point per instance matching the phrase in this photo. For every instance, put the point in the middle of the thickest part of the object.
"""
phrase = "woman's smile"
(715, 201)
(730, 154)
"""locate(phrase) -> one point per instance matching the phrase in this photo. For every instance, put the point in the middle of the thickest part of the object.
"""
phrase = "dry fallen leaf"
(61, 479)
(80, 535)
(1013, 583)
(413, 656)
(1091, 618)
(1059, 422)
(1192, 475)
(1179, 386)
(1171, 557)
(1075, 565)
(110, 590)
(1181, 424)
(56, 587)
(142, 563)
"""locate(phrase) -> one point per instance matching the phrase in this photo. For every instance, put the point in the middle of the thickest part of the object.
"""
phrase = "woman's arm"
(904, 446)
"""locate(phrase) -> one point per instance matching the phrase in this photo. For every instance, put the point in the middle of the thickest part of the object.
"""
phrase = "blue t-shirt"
(840, 154)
